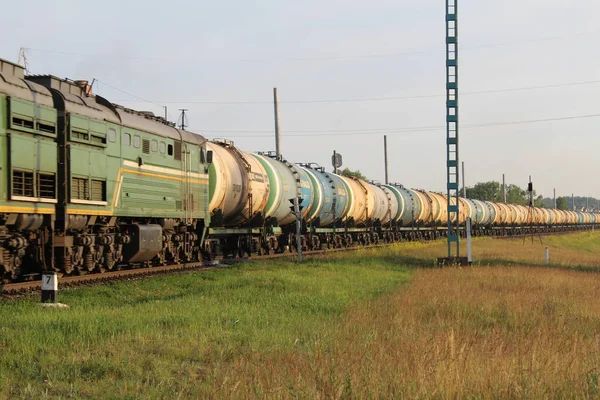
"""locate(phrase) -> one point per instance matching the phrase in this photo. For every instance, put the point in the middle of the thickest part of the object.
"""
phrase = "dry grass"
(456, 333)
(577, 250)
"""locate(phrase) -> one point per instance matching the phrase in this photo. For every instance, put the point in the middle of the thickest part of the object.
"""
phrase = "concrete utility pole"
(503, 188)
(587, 204)
(555, 199)
(276, 110)
(385, 155)
(573, 200)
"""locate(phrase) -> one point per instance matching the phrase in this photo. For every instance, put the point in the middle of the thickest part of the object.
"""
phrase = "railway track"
(20, 289)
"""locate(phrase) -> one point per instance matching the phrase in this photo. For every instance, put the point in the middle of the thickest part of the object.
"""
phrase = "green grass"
(170, 336)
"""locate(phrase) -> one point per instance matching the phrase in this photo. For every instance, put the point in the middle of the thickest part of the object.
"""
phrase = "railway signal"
(293, 206)
(336, 161)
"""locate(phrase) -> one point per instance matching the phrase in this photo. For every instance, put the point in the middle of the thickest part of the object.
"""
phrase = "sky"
(347, 73)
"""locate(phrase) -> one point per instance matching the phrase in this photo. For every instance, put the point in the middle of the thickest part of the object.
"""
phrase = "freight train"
(89, 186)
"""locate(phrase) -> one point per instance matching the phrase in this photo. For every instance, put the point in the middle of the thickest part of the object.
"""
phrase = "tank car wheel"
(349, 240)
(361, 239)
(273, 245)
(316, 243)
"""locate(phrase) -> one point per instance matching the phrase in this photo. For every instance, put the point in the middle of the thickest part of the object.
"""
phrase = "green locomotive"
(87, 185)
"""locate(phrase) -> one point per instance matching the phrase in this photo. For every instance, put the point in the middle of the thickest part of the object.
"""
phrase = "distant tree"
(485, 191)
(561, 203)
(353, 174)
(539, 202)
(492, 191)
(516, 195)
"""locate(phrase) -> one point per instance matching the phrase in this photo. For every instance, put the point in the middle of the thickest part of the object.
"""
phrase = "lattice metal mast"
(23, 59)
(452, 164)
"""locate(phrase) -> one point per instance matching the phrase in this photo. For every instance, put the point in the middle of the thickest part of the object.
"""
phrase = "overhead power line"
(129, 94)
(371, 131)
(313, 58)
(369, 99)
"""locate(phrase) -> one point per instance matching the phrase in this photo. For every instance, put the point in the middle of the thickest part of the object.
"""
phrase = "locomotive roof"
(148, 122)
(78, 101)
(13, 83)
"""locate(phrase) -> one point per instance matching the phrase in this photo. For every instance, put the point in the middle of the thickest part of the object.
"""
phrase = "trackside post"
(49, 287)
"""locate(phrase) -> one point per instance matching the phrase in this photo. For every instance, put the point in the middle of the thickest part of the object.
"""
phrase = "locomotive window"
(163, 148)
(137, 141)
(170, 149)
(112, 135)
(154, 146)
(127, 139)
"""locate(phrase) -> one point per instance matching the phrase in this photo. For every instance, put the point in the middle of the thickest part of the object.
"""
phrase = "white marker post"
(49, 287)
(547, 256)
(469, 253)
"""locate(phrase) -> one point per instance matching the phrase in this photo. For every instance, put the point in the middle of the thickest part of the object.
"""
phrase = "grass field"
(374, 323)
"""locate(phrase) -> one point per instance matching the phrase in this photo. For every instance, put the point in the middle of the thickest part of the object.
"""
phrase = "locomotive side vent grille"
(25, 123)
(46, 186)
(146, 146)
(46, 128)
(80, 189)
(178, 204)
(98, 190)
(98, 139)
(79, 135)
(22, 183)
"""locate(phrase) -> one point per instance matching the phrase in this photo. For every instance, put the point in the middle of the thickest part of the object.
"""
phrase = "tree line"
(492, 191)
